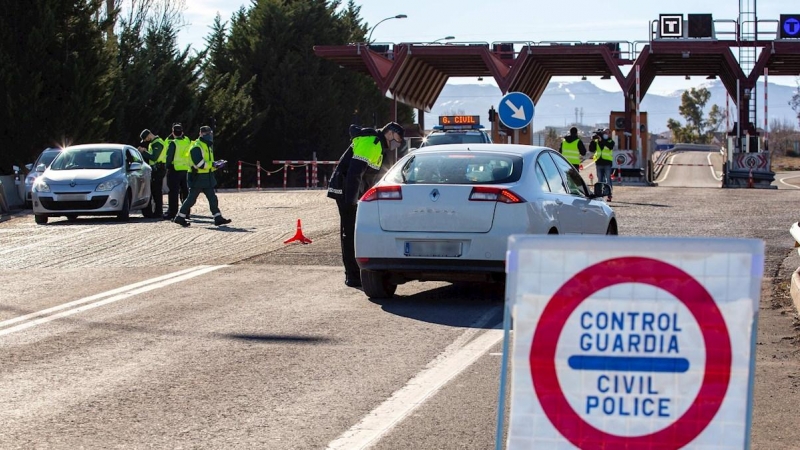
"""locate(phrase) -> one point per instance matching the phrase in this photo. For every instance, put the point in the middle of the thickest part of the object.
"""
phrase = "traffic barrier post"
(258, 177)
(239, 177)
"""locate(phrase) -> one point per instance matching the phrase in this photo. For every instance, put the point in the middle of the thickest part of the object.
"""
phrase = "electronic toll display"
(465, 121)
(790, 26)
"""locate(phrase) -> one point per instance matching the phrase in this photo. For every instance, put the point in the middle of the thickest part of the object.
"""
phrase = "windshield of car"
(456, 137)
(92, 158)
(457, 168)
(47, 157)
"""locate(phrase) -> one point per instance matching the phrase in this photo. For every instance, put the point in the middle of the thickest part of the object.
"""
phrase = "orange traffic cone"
(750, 179)
(298, 236)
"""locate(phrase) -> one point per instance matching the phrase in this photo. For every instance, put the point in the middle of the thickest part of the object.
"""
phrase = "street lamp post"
(446, 38)
(399, 16)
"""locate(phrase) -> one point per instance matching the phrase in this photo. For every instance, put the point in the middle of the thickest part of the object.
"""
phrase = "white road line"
(669, 166)
(419, 389)
(127, 292)
(711, 166)
(787, 184)
(46, 241)
(116, 291)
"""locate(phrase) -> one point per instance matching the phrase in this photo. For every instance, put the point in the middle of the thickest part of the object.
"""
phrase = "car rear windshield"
(456, 137)
(457, 168)
(95, 158)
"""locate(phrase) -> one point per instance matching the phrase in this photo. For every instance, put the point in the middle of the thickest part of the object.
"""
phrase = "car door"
(591, 219)
(565, 212)
(135, 177)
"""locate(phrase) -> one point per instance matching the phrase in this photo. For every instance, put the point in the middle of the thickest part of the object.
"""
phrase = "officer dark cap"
(143, 135)
(177, 127)
(396, 127)
(205, 129)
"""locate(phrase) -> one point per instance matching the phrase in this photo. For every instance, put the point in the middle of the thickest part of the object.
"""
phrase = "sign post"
(616, 346)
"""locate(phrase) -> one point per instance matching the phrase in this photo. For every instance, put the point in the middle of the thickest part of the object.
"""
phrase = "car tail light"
(383, 193)
(493, 194)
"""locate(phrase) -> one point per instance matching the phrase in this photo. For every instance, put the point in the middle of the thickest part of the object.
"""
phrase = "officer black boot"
(181, 221)
(219, 220)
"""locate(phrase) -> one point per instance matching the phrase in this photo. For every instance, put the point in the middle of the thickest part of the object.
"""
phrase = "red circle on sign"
(609, 273)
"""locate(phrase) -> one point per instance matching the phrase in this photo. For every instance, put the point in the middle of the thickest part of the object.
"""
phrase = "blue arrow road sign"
(515, 110)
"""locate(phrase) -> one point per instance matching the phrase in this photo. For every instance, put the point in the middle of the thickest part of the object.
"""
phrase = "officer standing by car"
(572, 148)
(201, 178)
(357, 171)
(603, 148)
(178, 163)
(154, 150)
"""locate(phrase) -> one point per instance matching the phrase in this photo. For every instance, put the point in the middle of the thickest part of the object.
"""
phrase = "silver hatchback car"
(93, 179)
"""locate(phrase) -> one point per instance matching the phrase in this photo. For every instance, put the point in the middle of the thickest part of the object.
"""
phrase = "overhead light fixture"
(711, 77)
(685, 54)
(480, 78)
(583, 78)
(605, 77)
(688, 77)
(446, 38)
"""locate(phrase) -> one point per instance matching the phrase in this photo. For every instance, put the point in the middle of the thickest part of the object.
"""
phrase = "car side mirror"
(29, 167)
(602, 190)
(134, 166)
(41, 168)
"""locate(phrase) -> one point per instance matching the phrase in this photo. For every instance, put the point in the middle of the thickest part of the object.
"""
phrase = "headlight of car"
(41, 186)
(108, 185)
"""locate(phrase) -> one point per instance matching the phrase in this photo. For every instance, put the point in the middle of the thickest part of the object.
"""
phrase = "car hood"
(79, 175)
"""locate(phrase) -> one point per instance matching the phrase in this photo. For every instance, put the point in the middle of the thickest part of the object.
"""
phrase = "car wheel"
(125, 213)
(72, 218)
(612, 229)
(40, 219)
(149, 211)
(376, 284)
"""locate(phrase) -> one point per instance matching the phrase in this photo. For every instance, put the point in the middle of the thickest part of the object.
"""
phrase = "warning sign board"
(632, 342)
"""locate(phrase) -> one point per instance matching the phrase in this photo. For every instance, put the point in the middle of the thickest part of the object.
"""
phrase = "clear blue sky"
(518, 20)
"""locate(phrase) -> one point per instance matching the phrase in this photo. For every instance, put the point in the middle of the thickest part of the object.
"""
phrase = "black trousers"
(347, 225)
(156, 187)
(178, 190)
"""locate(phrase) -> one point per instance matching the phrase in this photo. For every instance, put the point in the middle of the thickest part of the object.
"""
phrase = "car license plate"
(441, 249)
(71, 198)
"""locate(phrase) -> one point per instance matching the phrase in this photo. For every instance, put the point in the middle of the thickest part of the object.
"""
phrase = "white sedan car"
(92, 180)
(445, 212)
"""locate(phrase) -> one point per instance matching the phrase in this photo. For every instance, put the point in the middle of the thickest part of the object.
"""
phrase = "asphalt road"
(148, 335)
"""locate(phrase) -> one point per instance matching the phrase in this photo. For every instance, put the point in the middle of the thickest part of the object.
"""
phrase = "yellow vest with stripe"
(570, 151)
(182, 160)
(369, 150)
(205, 165)
(606, 153)
(162, 156)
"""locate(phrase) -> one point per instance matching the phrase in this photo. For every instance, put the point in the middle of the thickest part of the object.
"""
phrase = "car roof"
(97, 146)
(517, 149)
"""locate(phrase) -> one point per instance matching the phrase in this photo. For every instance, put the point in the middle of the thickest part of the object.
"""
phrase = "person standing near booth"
(178, 163)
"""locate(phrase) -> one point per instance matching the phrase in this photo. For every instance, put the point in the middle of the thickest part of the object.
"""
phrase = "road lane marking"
(46, 241)
(116, 295)
(787, 184)
(669, 166)
(95, 297)
(420, 388)
(711, 166)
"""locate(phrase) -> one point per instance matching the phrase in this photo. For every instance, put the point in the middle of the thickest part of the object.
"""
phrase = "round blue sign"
(515, 110)
(791, 26)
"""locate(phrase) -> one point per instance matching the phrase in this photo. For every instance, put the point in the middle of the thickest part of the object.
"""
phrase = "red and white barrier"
(258, 176)
(239, 177)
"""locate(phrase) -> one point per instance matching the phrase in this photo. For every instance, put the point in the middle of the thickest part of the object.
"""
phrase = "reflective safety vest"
(369, 150)
(161, 158)
(570, 151)
(205, 162)
(182, 160)
(606, 153)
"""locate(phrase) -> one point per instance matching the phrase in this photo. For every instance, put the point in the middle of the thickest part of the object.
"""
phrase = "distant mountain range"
(558, 104)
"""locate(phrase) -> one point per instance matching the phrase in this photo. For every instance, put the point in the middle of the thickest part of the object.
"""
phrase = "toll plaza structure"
(414, 73)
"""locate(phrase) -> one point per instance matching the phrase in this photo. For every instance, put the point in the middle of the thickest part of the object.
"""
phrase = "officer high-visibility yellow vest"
(606, 153)
(570, 151)
(182, 160)
(162, 155)
(369, 150)
(205, 163)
